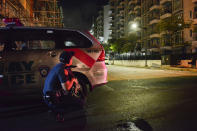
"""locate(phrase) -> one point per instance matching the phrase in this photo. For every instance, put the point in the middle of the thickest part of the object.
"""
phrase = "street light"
(145, 50)
(134, 26)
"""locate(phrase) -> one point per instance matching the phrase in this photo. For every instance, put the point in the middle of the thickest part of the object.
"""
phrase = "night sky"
(79, 14)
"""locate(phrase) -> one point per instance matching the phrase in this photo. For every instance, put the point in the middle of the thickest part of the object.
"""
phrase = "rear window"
(30, 39)
(33, 44)
(70, 39)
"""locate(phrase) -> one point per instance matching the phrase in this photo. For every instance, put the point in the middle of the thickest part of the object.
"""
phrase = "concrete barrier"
(185, 63)
(137, 63)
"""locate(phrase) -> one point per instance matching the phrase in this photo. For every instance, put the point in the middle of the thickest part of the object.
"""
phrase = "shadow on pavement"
(136, 124)
(32, 114)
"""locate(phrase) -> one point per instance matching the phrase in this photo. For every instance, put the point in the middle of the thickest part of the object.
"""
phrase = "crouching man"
(58, 84)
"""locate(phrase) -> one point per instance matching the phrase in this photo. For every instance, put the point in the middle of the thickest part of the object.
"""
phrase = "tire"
(82, 93)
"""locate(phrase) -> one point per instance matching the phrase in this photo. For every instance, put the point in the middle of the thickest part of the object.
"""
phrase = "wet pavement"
(134, 99)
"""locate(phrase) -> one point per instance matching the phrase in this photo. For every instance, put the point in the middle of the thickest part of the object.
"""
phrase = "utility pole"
(145, 29)
(146, 55)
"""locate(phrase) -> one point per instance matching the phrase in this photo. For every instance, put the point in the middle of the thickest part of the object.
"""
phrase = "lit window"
(190, 14)
(190, 33)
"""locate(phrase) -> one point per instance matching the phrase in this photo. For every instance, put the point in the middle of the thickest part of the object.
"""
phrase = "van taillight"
(1, 79)
(12, 22)
(102, 56)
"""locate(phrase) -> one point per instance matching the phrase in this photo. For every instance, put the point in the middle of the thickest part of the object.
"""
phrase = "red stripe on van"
(83, 57)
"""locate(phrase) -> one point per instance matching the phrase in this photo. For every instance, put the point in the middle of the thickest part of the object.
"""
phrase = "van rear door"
(29, 55)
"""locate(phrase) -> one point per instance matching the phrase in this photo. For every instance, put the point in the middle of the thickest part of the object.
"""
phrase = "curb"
(164, 68)
(180, 69)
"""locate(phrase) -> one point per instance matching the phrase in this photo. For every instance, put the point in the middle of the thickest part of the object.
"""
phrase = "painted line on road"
(140, 87)
(109, 88)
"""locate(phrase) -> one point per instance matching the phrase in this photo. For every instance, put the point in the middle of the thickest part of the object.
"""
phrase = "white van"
(29, 53)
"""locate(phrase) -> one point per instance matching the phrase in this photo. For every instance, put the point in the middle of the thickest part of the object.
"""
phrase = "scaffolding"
(48, 13)
(16, 9)
(32, 12)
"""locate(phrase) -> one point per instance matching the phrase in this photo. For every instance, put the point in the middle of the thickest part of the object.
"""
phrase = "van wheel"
(80, 93)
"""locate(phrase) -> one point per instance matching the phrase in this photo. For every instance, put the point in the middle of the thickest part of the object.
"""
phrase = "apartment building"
(124, 14)
(150, 16)
(32, 12)
(192, 9)
(98, 28)
(147, 14)
(183, 42)
(107, 23)
(101, 28)
(118, 16)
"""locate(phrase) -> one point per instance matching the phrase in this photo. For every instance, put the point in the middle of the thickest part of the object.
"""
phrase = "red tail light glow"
(13, 21)
(102, 55)
(1, 79)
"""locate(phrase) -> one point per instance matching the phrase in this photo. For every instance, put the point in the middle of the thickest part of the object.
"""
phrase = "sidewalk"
(166, 68)
(179, 68)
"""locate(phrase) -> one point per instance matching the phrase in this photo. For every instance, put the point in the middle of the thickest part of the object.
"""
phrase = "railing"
(166, 11)
(166, 44)
(194, 1)
(132, 2)
(164, 1)
(195, 37)
(134, 56)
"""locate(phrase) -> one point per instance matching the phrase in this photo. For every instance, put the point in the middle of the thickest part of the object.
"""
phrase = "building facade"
(102, 24)
(98, 28)
(48, 13)
(118, 8)
(147, 14)
(32, 12)
(107, 23)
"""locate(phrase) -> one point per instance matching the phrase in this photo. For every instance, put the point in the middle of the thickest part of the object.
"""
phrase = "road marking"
(142, 87)
(109, 88)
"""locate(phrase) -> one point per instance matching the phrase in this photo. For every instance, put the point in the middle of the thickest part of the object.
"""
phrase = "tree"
(172, 25)
(131, 42)
(117, 44)
(106, 47)
(124, 44)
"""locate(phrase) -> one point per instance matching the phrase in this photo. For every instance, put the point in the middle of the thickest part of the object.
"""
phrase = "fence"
(129, 56)
(172, 59)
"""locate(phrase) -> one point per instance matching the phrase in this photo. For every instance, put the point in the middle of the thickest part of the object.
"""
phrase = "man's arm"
(68, 84)
(65, 82)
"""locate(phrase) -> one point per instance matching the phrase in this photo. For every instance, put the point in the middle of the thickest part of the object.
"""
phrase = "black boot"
(60, 117)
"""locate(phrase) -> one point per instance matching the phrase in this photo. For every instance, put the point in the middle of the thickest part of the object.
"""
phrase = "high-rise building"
(182, 42)
(150, 17)
(98, 28)
(147, 14)
(102, 24)
(118, 18)
(107, 23)
(192, 15)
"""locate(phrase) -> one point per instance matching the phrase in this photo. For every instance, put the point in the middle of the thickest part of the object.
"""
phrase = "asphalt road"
(166, 100)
